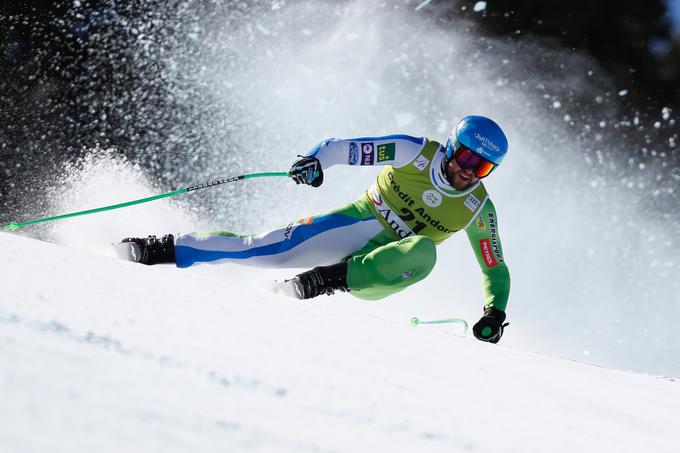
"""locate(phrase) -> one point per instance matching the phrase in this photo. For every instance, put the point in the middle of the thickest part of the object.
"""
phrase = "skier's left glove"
(490, 327)
(307, 170)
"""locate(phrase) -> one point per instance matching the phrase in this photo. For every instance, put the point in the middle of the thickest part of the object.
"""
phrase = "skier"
(385, 240)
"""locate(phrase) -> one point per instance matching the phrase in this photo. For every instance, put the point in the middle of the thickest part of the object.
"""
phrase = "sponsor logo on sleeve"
(306, 221)
(421, 162)
(481, 226)
(494, 238)
(432, 198)
(367, 154)
(472, 203)
(485, 248)
(386, 152)
(353, 158)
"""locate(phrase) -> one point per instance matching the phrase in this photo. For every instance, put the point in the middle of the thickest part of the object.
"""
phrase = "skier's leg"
(381, 268)
(308, 242)
(390, 268)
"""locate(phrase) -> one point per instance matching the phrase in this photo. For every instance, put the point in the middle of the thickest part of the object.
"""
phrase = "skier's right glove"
(307, 170)
(490, 327)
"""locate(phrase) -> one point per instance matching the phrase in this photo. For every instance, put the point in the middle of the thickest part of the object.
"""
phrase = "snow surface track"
(98, 354)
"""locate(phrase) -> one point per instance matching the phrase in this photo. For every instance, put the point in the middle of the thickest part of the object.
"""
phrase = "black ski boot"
(320, 280)
(151, 250)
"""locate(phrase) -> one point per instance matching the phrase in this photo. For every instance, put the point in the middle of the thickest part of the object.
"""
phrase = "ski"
(128, 251)
(287, 288)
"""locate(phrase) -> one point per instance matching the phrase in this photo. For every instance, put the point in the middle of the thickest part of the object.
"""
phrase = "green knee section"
(390, 268)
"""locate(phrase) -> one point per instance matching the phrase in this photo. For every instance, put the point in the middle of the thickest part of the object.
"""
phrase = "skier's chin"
(460, 182)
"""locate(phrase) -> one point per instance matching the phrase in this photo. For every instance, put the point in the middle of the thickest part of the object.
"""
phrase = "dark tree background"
(54, 101)
(631, 39)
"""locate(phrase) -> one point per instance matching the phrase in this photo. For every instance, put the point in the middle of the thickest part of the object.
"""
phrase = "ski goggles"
(469, 160)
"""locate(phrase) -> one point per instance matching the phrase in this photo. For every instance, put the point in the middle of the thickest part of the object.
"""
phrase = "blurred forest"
(632, 40)
(55, 99)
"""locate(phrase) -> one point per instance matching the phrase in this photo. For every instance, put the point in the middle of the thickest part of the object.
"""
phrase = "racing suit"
(388, 236)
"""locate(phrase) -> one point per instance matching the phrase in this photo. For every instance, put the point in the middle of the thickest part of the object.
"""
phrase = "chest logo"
(472, 203)
(421, 162)
(394, 221)
(432, 198)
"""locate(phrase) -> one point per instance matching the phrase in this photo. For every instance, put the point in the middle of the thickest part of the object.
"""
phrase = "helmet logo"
(487, 143)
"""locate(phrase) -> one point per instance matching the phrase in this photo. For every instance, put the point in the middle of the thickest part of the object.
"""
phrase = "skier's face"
(460, 179)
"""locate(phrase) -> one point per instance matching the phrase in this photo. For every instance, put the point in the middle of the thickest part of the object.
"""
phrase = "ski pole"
(16, 225)
(416, 322)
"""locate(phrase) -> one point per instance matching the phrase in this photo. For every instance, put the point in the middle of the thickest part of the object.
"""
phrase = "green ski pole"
(16, 225)
(416, 322)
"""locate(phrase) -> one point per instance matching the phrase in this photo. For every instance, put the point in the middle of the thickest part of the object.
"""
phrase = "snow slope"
(102, 355)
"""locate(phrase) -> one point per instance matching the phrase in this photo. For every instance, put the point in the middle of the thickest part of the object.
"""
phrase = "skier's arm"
(395, 150)
(486, 243)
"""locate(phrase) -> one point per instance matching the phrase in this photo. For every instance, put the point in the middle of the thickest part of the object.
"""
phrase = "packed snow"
(98, 354)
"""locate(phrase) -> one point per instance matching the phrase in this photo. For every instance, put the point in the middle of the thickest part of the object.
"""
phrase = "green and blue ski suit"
(388, 235)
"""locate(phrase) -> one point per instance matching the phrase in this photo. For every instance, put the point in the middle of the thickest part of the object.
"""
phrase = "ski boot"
(318, 281)
(148, 251)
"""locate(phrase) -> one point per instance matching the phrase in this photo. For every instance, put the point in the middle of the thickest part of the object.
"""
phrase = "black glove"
(490, 327)
(307, 171)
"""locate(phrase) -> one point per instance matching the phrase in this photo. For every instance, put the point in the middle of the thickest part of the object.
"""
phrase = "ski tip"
(287, 288)
(128, 251)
